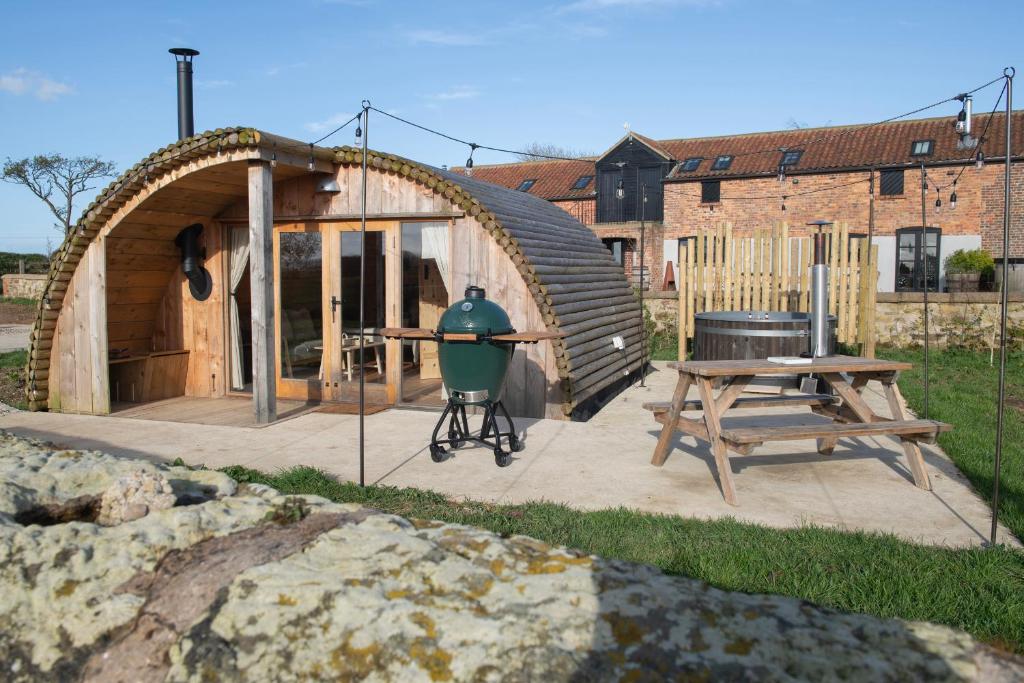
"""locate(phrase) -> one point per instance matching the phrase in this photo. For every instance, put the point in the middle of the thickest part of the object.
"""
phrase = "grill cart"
(475, 340)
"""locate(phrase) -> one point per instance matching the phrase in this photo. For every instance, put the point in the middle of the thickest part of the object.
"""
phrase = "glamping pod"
(228, 263)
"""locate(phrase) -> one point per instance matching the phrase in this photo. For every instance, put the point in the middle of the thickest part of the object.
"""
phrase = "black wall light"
(200, 283)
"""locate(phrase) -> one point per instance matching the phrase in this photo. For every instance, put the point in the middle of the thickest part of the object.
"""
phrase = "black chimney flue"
(183, 56)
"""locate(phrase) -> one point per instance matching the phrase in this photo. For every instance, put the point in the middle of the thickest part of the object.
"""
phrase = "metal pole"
(1008, 72)
(870, 274)
(643, 327)
(362, 297)
(924, 260)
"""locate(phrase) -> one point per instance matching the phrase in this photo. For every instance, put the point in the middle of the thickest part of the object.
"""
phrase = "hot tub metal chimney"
(819, 294)
(183, 57)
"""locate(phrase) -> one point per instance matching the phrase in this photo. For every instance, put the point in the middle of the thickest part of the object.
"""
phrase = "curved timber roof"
(572, 277)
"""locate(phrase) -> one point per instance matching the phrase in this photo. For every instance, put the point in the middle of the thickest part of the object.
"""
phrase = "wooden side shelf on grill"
(429, 335)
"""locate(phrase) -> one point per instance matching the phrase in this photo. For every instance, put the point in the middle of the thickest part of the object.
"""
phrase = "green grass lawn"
(19, 301)
(963, 389)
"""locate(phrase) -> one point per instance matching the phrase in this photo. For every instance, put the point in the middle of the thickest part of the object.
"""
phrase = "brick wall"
(992, 196)
(583, 210)
(977, 208)
(654, 235)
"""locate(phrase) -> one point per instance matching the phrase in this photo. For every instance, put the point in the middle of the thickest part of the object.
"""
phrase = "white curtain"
(239, 260)
(435, 245)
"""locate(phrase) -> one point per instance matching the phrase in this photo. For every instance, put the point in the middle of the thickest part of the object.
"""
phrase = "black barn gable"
(635, 164)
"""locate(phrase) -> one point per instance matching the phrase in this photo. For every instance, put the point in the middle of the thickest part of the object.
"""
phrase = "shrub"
(970, 261)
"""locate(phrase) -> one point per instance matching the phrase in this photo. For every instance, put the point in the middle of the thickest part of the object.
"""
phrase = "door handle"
(335, 303)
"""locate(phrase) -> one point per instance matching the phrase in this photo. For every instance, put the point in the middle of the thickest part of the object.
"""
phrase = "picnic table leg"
(827, 445)
(852, 399)
(712, 419)
(910, 448)
(671, 420)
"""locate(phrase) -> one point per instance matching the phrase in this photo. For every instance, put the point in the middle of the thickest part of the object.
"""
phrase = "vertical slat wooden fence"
(768, 270)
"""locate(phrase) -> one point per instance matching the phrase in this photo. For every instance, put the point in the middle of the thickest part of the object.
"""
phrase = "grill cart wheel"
(438, 453)
(502, 458)
(454, 438)
(514, 443)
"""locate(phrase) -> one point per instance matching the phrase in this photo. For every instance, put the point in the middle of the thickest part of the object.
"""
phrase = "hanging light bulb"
(273, 157)
(359, 130)
(979, 160)
(312, 164)
(783, 203)
(782, 173)
(620, 191)
(938, 201)
(952, 197)
(469, 161)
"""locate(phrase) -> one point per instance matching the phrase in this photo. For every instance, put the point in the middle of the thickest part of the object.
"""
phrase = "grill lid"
(475, 314)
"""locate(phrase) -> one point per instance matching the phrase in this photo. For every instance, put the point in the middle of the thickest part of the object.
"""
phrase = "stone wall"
(664, 309)
(968, 318)
(233, 584)
(26, 286)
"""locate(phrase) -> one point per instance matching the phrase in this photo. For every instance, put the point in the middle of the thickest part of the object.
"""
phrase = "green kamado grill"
(475, 341)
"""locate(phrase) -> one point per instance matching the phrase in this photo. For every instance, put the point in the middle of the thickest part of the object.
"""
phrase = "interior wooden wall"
(181, 322)
(138, 270)
(78, 380)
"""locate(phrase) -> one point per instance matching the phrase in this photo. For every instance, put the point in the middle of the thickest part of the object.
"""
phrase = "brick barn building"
(699, 183)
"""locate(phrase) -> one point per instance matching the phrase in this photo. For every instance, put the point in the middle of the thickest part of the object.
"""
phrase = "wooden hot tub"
(754, 335)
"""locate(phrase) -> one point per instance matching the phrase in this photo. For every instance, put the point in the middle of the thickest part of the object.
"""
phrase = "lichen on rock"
(259, 586)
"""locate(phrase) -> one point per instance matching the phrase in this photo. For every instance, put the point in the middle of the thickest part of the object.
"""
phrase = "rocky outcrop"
(248, 584)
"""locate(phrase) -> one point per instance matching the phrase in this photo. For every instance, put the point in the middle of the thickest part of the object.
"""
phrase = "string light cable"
(474, 146)
(979, 156)
(339, 128)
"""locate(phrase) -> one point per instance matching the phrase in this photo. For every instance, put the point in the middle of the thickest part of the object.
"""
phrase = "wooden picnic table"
(850, 414)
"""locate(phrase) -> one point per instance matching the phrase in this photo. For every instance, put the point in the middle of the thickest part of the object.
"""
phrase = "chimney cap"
(185, 52)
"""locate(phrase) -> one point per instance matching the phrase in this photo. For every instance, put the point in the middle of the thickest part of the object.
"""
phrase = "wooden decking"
(230, 411)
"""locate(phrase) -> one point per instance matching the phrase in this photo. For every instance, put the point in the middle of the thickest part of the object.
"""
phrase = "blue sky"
(95, 77)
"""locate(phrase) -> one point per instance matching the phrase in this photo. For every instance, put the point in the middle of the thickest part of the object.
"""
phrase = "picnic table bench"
(850, 414)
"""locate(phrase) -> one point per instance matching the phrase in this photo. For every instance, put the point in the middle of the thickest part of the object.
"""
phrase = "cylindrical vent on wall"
(183, 56)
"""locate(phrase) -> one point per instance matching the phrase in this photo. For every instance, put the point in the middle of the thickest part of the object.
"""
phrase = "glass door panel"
(425, 296)
(374, 366)
(300, 313)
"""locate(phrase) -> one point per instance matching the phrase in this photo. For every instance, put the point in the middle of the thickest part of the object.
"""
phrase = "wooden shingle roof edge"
(577, 287)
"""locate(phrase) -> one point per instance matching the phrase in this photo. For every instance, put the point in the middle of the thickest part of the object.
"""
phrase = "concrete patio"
(864, 485)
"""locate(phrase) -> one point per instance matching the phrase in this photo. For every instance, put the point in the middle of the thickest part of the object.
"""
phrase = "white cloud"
(458, 92)
(214, 84)
(427, 36)
(278, 69)
(27, 82)
(329, 123)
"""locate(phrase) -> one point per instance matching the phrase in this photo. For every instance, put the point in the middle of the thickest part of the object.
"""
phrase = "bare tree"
(794, 124)
(538, 150)
(57, 180)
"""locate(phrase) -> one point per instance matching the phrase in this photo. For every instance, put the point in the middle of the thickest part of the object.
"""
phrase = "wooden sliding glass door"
(317, 311)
